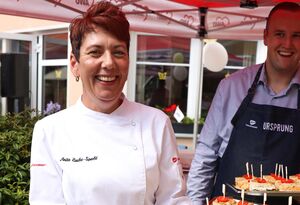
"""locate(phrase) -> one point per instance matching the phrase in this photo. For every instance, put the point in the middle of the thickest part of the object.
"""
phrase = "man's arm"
(203, 168)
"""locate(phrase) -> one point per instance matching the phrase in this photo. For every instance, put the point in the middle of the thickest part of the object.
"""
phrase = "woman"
(104, 149)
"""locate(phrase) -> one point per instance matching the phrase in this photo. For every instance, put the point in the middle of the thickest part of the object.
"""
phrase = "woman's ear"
(74, 65)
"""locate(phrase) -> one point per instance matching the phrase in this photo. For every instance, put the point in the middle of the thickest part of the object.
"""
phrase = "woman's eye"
(119, 53)
(94, 53)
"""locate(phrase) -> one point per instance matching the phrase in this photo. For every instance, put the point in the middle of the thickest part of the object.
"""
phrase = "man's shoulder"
(243, 76)
(247, 72)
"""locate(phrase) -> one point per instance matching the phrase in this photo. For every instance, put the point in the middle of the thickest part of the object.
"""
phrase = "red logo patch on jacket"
(175, 159)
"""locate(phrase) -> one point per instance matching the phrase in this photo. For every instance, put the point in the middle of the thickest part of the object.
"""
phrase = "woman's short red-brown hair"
(100, 15)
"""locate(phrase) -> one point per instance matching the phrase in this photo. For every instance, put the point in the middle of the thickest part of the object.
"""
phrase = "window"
(240, 55)
(163, 49)
(55, 85)
(160, 86)
(15, 63)
(55, 46)
(54, 64)
(162, 71)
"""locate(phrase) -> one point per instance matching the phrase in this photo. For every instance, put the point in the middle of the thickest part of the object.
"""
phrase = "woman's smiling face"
(103, 68)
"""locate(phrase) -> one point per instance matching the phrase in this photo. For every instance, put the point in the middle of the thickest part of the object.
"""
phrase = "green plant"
(15, 143)
(188, 120)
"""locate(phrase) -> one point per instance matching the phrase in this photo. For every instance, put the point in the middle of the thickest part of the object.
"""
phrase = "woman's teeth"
(106, 78)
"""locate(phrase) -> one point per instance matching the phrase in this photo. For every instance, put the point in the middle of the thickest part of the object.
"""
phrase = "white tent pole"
(198, 98)
(201, 33)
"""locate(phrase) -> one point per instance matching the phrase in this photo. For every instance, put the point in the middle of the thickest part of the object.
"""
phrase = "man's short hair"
(289, 6)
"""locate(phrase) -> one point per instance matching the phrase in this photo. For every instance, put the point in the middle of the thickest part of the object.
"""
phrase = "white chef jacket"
(128, 157)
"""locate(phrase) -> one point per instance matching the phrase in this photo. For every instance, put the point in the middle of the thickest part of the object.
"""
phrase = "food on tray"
(287, 185)
(272, 178)
(243, 182)
(278, 181)
(222, 200)
(244, 203)
(260, 184)
(296, 178)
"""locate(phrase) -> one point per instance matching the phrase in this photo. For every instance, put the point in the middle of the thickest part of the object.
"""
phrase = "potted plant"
(15, 144)
(187, 125)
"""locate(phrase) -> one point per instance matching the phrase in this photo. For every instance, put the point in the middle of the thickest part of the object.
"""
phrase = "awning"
(220, 19)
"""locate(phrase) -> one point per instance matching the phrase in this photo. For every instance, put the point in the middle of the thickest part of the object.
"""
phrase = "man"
(247, 106)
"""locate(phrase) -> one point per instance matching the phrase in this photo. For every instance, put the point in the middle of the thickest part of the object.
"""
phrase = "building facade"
(163, 73)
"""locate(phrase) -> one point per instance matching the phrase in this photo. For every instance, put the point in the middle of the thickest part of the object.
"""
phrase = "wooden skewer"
(290, 200)
(223, 189)
(261, 174)
(265, 198)
(282, 172)
(247, 169)
(243, 195)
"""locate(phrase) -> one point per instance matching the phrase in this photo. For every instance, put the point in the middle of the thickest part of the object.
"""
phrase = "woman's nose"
(107, 60)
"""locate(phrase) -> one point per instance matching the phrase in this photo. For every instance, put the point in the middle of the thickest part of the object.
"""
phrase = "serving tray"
(211, 201)
(261, 193)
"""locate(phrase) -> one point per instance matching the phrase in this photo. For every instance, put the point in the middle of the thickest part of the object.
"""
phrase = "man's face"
(283, 40)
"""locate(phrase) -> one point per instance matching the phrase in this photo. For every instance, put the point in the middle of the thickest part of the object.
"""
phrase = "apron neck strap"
(250, 95)
(252, 89)
(298, 98)
(248, 98)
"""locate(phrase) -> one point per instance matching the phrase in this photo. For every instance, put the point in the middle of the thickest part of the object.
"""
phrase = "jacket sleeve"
(203, 168)
(45, 174)
(172, 184)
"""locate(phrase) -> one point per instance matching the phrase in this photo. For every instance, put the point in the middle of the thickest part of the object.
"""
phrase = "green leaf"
(15, 143)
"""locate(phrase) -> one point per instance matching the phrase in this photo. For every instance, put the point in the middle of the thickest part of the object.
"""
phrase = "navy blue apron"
(262, 134)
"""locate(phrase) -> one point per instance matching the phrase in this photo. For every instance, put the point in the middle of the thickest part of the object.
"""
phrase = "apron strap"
(248, 98)
(298, 98)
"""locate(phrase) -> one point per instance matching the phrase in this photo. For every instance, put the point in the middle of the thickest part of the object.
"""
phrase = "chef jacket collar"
(119, 112)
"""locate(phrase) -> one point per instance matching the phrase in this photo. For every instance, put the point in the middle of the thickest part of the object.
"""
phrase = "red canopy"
(224, 19)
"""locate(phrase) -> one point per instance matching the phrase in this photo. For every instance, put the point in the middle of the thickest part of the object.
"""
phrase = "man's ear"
(74, 65)
(265, 37)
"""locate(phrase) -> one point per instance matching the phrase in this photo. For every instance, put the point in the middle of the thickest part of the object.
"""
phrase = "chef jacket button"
(132, 123)
(135, 148)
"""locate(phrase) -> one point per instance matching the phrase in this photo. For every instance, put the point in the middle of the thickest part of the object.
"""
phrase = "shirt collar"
(263, 76)
(295, 80)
